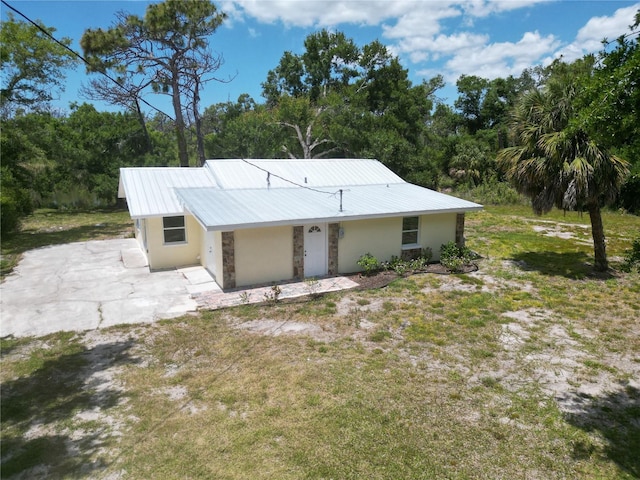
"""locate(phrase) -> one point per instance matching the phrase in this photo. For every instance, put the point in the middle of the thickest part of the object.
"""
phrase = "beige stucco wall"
(173, 255)
(263, 255)
(382, 238)
(436, 230)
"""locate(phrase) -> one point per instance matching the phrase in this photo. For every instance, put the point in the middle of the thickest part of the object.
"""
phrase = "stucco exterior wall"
(163, 256)
(382, 238)
(436, 230)
(263, 255)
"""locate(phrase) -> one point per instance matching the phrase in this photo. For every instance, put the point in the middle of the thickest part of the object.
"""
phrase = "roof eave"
(332, 219)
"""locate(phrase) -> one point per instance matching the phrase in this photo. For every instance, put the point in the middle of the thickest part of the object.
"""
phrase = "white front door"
(210, 258)
(315, 250)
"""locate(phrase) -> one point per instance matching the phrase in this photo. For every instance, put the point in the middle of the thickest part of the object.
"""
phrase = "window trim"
(411, 230)
(183, 227)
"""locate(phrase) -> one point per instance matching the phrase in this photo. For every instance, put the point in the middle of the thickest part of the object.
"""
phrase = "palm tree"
(555, 163)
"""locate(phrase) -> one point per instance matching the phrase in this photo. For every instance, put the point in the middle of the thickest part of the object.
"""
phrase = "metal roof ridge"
(302, 187)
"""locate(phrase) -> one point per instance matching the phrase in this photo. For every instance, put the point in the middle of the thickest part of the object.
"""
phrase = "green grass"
(415, 380)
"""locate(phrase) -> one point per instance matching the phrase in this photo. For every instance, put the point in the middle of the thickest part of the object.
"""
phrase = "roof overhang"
(227, 210)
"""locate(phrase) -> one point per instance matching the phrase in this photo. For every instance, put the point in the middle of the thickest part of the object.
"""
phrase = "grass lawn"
(527, 368)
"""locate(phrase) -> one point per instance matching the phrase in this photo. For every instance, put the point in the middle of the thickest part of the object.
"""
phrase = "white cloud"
(589, 38)
(324, 13)
(499, 59)
(438, 36)
(484, 8)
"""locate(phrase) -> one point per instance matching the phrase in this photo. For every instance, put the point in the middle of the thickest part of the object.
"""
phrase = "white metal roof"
(338, 172)
(150, 190)
(219, 209)
(231, 194)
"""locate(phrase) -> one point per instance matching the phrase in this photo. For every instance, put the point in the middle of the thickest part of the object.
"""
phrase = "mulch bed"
(385, 277)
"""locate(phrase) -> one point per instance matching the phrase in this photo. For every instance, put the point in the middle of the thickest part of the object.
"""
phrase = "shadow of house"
(616, 417)
(41, 430)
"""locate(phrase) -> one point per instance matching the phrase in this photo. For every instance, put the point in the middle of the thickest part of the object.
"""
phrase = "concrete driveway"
(91, 285)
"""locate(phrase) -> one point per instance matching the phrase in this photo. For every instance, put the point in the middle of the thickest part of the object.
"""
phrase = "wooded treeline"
(337, 99)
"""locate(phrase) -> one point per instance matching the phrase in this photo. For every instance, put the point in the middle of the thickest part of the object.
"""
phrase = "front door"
(315, 250)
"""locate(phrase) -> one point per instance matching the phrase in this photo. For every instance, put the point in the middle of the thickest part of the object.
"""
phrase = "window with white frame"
(174, 229)
(410, 230)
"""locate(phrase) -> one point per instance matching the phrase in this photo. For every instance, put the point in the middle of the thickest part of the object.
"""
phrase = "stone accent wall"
(298, 252)
(228, 260)
(460, 230)
(334, 230)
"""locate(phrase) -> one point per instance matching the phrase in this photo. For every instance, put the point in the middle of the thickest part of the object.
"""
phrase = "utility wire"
(76, 54)
(271, 174)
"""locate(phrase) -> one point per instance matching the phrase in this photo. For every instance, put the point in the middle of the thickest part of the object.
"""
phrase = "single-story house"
(259, 221)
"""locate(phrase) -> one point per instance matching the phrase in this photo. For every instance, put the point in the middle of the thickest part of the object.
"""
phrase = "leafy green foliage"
(369, 264)
(31, 66)
(632, 257)
(454, 257)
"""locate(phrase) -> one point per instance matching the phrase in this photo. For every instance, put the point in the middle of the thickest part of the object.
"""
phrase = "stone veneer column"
(228, 260)
(334, 231)
(298, 252)
(460, 230)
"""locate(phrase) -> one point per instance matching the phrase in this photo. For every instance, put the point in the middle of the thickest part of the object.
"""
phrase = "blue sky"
(477, 37)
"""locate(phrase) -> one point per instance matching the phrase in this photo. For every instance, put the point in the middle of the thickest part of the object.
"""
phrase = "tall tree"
(31, 65)
(161, 47)
(555, 162)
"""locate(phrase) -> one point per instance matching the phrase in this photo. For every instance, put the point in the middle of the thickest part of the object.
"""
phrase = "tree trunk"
(177, 108)
(143, 124)
(198, 123)
(597, 232)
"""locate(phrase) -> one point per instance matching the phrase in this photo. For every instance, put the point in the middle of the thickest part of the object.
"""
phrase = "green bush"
(632, 257)
(369, 264)
(15, 203)
(454, 257)
(493, 192)
(629, 197)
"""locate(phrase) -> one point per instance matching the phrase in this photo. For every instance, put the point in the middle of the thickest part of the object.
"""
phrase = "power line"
(84, 60)
(271, 174)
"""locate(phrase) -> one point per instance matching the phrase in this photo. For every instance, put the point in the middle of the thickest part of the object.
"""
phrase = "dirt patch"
(564, 369)
(277, 328)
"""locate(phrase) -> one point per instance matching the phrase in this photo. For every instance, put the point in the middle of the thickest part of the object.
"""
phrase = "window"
(410, 230)
(315, 229)
(174, 231)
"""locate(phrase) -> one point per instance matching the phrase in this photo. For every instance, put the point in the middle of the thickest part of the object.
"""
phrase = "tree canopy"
(31, 65)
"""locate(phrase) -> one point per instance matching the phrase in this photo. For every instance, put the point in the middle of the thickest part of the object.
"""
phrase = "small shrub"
(369, 264)
(454, 257)
(273, 297)
(312, 285)
(632, 257)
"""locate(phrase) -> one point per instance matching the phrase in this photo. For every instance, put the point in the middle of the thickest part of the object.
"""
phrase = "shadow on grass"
(616, 416)
(42, 433)
(573, 265)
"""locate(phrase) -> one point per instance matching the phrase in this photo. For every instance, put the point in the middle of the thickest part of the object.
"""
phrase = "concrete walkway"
(98, 284)
(213, 300)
